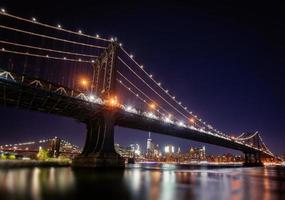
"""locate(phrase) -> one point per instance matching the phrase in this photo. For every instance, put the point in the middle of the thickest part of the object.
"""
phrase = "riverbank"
(34, 163)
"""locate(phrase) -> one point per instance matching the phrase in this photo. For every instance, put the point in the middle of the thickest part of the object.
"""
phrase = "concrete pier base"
(99, 150)
(99, 160)
(252, 160)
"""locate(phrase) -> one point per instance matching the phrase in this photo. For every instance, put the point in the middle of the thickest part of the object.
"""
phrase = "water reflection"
(35, 183)
(152, 181)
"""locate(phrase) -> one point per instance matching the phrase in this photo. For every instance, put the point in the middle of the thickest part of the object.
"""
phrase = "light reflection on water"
(145, 181)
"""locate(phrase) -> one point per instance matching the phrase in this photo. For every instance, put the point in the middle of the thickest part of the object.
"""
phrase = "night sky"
(224, 60)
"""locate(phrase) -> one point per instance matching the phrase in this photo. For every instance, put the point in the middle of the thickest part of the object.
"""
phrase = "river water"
(143, 181)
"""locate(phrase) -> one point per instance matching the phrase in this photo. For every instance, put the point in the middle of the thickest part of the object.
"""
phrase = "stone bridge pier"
(99, 150)
(252, 159)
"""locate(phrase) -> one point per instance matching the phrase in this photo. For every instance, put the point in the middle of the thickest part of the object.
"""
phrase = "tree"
(12, 157)
(43, 154)
(3, 156)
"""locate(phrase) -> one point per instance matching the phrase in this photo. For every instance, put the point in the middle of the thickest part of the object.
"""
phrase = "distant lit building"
(152, 150)
(197, 153)
(134, 150)
(122, 151)
(54, 146)
(169, 149)
(149, 147)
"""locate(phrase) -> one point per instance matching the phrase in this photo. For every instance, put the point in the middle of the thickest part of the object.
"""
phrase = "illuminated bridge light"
(3, 10)
(59, 26)
(150, 115)
(84, 82)
(113, 102)
(152, 106)
(34, 19)
(167, 120)
(91, 97)
(130, 109)
(181, 123)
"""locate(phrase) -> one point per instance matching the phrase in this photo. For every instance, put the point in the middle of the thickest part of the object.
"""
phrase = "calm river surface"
(143, 181)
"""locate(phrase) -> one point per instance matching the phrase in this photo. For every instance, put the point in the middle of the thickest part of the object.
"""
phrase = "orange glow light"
(84, 82)
(192, 120)
(113, 101)
(152, 106)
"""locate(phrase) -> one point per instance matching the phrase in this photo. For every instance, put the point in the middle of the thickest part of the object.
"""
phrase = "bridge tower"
(99, 148)
(253, 158)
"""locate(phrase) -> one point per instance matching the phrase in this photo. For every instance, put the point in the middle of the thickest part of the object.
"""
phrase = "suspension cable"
(241, 135)
(46, 49)
(44, 56)
(50, 37)
(247, 138)
(59, 28)
(151, 87)
(266, 148)
(141, 91)
(130, 90)
(166, 91)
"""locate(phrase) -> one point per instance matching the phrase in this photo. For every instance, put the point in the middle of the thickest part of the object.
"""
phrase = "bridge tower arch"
(104, 72)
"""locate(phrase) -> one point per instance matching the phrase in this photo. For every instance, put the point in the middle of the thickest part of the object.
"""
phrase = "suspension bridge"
(95, 80)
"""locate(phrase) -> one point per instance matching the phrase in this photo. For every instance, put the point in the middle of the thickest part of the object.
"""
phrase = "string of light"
(151, 87)
(240, 136)
(45, 56)
(266, 148)
(167, 92)
(51, 37)
(58, 27)
(46, 49)
(136, 94)
(150, 99)
(247, 138)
